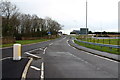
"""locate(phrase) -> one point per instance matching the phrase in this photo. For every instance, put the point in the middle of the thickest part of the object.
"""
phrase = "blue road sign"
(49, 33)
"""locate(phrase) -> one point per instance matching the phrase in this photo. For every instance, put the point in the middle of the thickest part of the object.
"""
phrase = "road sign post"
(17, 52)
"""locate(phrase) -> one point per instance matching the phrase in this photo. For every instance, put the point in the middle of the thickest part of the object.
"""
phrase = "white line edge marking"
(67, 43)
(42, 71)
(26, 69)
(64, 38)
(33, 67)
(45, 50)
(8, 58)
(70, 45)
(73, 41)
(96, 55)
(50, 44)
(32, 55)
(5, 58)
(103, 58)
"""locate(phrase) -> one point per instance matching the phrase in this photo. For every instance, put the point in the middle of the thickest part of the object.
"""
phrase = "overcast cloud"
(102, 14)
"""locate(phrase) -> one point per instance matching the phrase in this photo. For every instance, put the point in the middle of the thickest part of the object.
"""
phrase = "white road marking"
(42, 71)
(45, 50)
(96, 55)
(7, 47)
(70, 45)
(26, 69)
(35, 49)
(64, 38)
(32, 55)
(78, 58)
(73, 47)
(73, 41)
(50, 44)
(33, 67)
(103, 58)
(8, 58)
(40, 48)
(5, 58)
(61, 39)
(67, 43)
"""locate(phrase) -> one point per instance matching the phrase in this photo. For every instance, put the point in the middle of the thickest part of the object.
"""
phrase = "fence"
(104, 45)
(34, 38)
(102, 41)
(7, 40)
(112, 48)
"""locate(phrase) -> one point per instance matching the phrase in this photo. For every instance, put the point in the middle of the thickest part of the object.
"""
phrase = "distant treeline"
(16, 24)
(90, 32)
(106, 32)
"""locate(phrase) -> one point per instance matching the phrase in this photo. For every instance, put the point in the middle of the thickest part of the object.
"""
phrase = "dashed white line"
(78, 58)
(32, 55)
(26, 69)
(45, 50)
(42, 71)
(33, 67)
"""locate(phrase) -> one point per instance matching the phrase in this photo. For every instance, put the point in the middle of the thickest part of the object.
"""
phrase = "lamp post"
(86, 21)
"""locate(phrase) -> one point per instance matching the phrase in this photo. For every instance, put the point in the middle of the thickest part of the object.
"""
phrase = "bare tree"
(7, 9)
(52, 25)
(9, 12)
(15, 23)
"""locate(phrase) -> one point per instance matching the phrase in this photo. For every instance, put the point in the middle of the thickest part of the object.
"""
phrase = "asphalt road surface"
(56, 59)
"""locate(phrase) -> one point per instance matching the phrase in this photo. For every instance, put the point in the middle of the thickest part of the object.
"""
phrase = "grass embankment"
(104, 49)
(23, 42)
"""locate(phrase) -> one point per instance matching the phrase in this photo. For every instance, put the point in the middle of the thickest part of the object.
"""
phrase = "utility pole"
(86, 20)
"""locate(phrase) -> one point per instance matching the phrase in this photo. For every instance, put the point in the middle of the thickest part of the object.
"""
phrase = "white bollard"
(16, 51)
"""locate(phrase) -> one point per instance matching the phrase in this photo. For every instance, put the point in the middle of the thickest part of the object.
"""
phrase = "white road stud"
(16, 51)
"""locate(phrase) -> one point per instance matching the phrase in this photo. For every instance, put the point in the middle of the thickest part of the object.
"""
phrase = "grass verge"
(96, 47)
(23, 42)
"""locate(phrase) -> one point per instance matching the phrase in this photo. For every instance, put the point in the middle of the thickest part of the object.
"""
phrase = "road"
(56, 60)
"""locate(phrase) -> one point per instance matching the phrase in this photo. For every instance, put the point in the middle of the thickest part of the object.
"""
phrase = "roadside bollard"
(16, 51)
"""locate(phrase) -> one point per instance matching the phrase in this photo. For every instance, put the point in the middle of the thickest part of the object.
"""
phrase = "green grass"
(104, 49)
(23, 42)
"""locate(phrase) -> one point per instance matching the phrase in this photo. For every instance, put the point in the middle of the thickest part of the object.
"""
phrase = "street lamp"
(86, 21)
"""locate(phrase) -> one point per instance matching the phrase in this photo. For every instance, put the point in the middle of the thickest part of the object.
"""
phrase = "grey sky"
(102, 14)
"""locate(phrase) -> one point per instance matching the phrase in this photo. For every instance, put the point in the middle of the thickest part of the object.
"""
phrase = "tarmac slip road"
(63, 61)
(60, 61)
